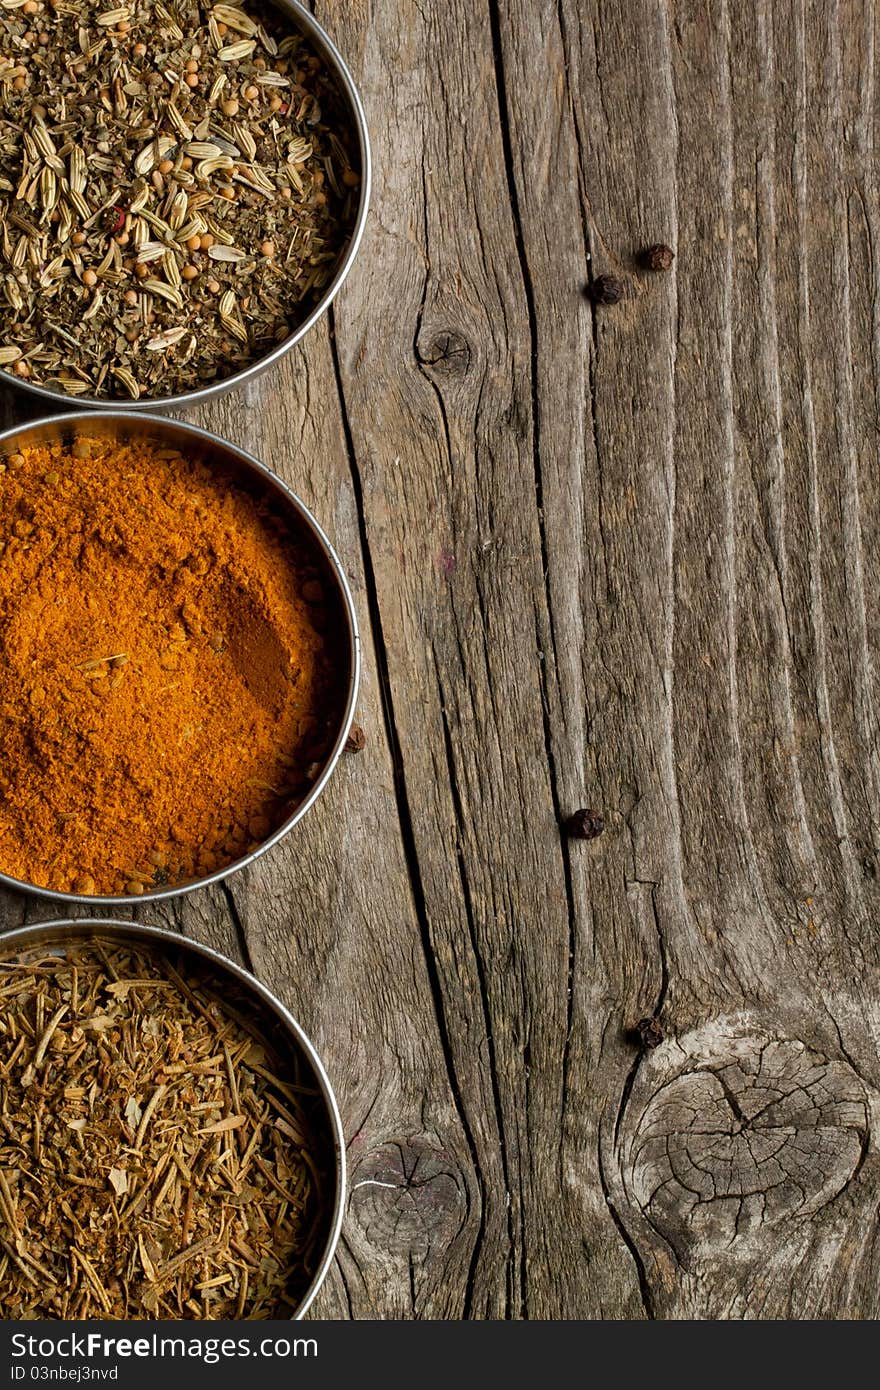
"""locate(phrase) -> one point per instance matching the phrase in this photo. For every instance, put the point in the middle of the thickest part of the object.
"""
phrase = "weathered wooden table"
(624, 558)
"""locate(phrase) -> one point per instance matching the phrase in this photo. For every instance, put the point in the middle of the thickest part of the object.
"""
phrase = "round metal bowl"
(235, 463)
(325, 47)
(56, 934)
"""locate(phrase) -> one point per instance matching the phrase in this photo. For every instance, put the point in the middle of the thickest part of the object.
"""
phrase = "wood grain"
(618, 557)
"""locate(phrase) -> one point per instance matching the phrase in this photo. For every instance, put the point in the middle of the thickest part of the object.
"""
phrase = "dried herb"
(176, 189)
(659, 257)
(161, 1156)
(585, 824)
(606, 289)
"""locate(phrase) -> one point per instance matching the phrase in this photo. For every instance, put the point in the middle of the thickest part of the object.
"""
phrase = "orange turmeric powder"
(169, 676)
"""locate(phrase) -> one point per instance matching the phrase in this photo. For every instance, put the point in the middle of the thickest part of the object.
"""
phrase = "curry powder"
(169, 681)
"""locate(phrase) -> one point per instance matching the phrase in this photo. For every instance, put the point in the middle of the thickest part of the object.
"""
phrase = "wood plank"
(729, 706)
(435, 363)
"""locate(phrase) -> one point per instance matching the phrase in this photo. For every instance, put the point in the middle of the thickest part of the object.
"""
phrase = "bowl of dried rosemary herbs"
(179, 658)
(183, 190)
(171, 1147)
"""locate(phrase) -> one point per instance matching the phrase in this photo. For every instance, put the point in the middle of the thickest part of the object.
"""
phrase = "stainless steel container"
(324, 45)
(51, 935)
(234, 462)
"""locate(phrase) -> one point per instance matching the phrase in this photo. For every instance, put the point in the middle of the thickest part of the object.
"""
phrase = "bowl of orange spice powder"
(179, 657)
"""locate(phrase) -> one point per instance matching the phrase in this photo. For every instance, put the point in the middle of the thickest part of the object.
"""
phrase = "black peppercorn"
(585, 824)
(649, 1032)
(606, 289)
(356, 741)
(659, 257)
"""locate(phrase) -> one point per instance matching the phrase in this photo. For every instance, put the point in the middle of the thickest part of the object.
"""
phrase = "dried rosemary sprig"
(159, 1157)
(176, 190)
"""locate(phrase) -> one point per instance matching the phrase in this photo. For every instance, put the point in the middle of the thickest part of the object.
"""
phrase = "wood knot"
(408, 1198)
(446, 352)
(735, 1130)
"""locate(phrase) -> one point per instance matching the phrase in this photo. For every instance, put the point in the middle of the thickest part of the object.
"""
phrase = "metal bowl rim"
(86, 926)
(315, 31)
(90, 418)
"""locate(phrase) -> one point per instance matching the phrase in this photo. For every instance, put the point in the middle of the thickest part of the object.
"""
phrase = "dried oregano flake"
(154, 161)
(162, 1155)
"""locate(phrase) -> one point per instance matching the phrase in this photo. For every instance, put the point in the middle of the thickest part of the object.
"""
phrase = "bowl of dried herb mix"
(183, 190)
(179, 658)
(171, 1146)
